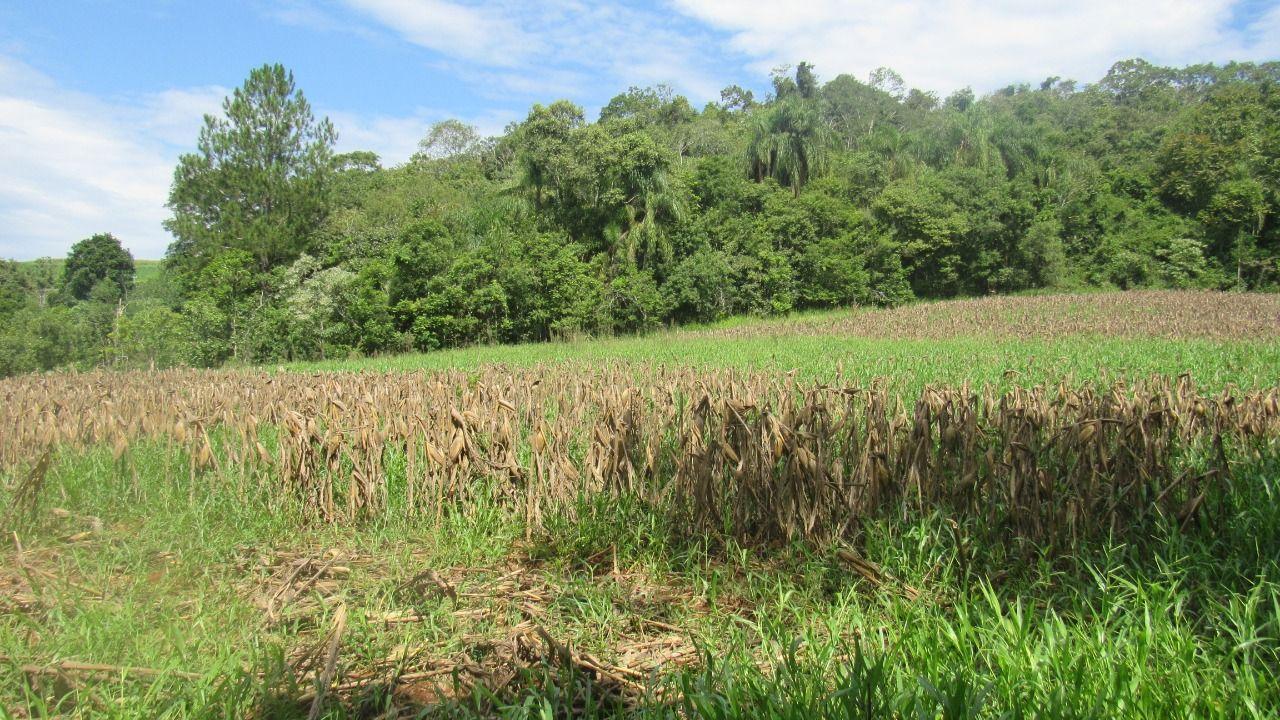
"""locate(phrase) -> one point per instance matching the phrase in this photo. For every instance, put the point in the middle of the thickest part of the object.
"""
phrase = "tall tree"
(788, 142)
(541, 141)
(735, 99)
(806, 80)
(644, 184)
(258, 180)
(803, 143)
(449, 138)
(96, 259)
(13, 289)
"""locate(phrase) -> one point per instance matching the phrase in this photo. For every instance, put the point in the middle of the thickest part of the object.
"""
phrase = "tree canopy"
(259, 179)
(96, 260)
(820, 193)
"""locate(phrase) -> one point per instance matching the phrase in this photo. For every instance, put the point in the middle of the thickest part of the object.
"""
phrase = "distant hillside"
(147, 270)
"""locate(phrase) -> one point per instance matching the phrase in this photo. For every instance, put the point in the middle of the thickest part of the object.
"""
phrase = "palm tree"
(650, 197)
(762, 148)
(789, 142)
(656, 197)
(805, 139)
(902, 148)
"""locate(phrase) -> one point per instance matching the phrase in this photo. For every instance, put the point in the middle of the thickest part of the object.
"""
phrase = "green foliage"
(633, 302)
(449, 139)
(41, 339)
(649, 107)
(701, 287)
(258, 181)
(821, 195)
(14, 289)
(789, 142)
(94, 260)
(151, 335)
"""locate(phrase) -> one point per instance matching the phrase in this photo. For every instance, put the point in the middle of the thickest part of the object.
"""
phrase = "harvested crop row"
(762, 457)
(1169, 314)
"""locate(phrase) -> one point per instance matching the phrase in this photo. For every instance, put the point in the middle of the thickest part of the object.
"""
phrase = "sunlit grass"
(1184, 624)
(824, 346)
(907, 364)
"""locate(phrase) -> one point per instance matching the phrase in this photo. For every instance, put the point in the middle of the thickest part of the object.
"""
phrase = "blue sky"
(99, 97)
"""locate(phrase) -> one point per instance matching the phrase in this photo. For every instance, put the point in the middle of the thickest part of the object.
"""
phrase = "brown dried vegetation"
(1171, 314)
(506, 622)
(765, 458)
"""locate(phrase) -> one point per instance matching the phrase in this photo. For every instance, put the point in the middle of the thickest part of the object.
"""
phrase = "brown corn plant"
(769, 458)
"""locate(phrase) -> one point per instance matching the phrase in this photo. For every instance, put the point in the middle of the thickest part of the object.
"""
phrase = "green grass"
(1184, 624)
(907, 364)
(147, 272)
(1220, 339)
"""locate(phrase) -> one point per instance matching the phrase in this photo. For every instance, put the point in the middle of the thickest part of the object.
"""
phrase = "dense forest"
(817, 195)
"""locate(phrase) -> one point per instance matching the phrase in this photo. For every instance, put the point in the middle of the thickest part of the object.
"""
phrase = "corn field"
(1169, 314)
(762, 457)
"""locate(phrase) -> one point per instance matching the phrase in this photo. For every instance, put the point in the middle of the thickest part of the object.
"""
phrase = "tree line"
(818, 195)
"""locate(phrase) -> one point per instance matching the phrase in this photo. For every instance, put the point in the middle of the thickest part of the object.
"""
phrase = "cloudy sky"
(98, 98)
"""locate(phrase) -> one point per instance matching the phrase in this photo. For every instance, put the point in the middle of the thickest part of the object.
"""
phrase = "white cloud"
(395, 139)
(555, 48)
(943, 45)
(1264, 31)
(563, 48)
(174, 116)
(463, 31)
(76, 165)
